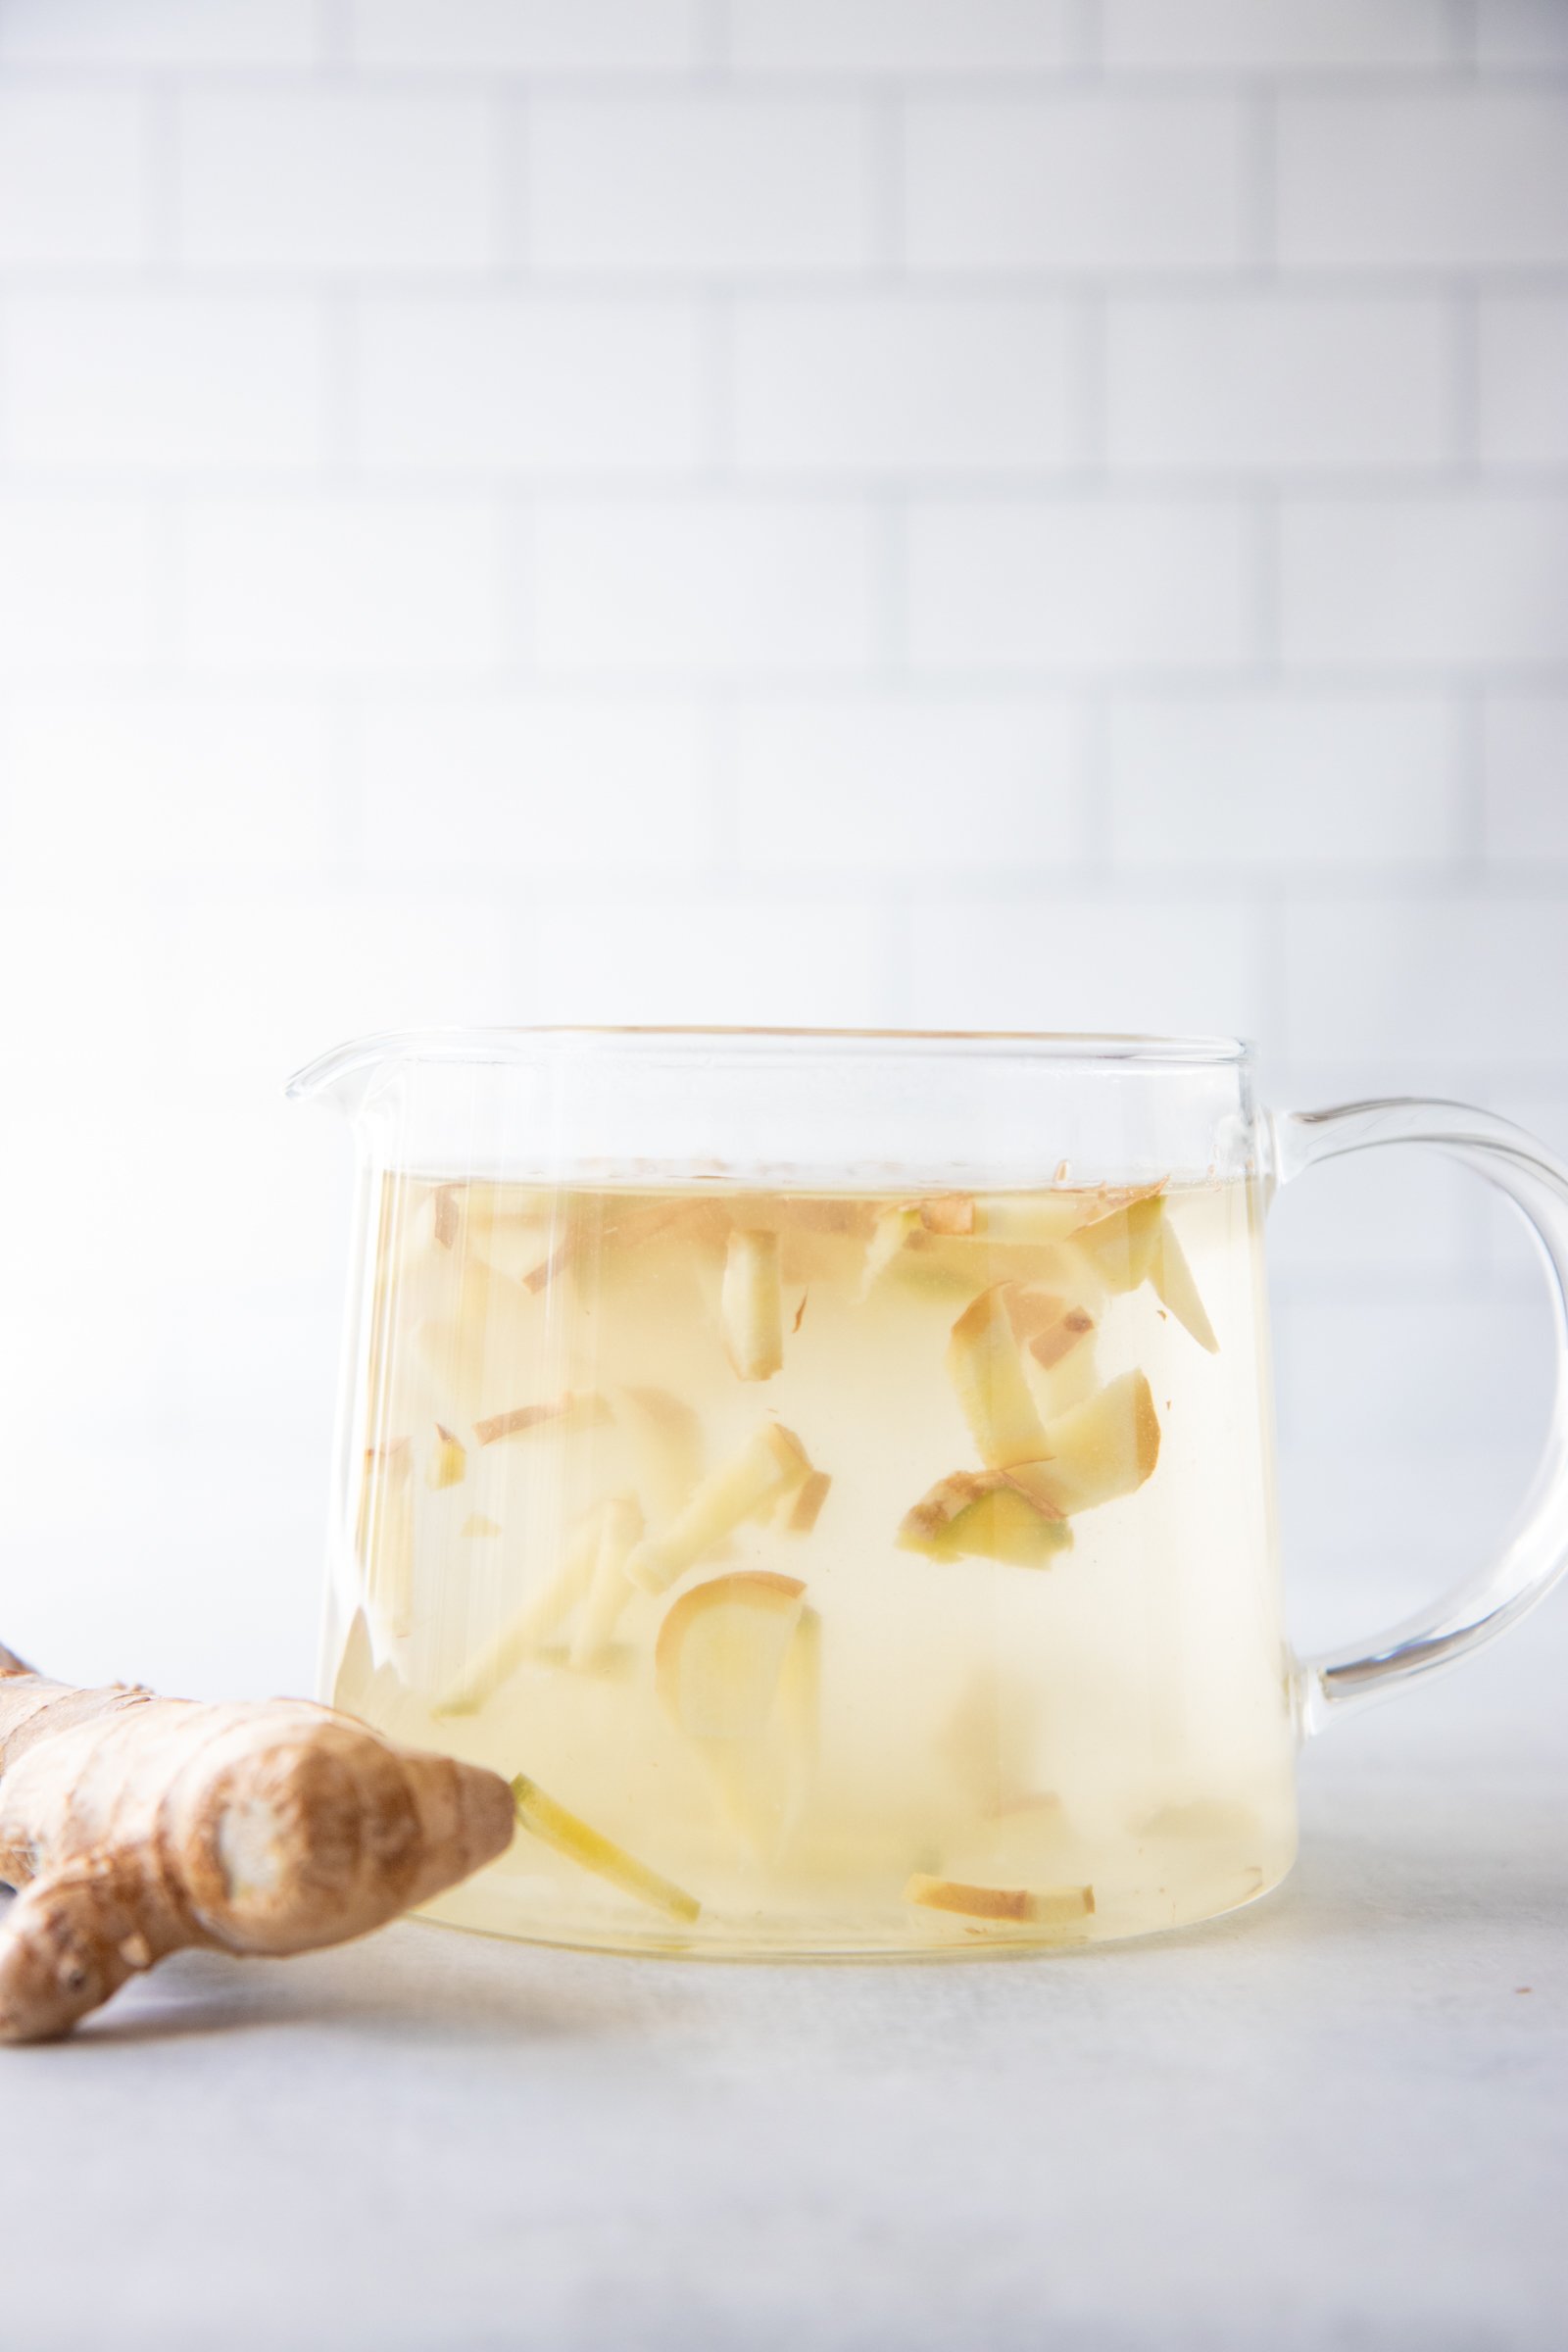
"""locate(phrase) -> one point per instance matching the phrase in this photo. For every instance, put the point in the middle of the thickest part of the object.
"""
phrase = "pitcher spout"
(345, 1075)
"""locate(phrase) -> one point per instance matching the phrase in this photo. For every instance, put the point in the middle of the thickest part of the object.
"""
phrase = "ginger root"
(140, 1826)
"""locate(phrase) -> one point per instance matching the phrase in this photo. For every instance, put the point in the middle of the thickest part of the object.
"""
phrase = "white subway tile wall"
(960, 512)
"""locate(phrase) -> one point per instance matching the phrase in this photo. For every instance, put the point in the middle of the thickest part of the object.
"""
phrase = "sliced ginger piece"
(540, 1614)
(1134, 1244)
(574, 1410)
(1120, 1246)
(543, 1818)
(667, 1444)
(1058, 1340)
(948, 1213)
(988, 1515)
(620, 1528)
(798, 1513)
(988, 1380)
(1028, 1218)
(1102, 1448)
(1172, 1278)
(945, 1215)
(769, 1464)
(1024, 1906)
(750, 1310)
(720, 1652)
(889, 1234)
(1047, 1324)
(449, 1462)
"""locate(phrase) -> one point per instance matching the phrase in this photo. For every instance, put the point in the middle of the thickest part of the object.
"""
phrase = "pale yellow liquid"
(1087, 1748)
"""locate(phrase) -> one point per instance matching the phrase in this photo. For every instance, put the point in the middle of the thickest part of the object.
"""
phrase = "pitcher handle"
(1536, 1552)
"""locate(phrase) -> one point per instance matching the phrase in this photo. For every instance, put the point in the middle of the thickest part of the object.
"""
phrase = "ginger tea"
(831, 1572)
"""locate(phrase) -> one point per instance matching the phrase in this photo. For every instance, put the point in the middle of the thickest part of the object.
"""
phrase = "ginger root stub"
(138, 1826)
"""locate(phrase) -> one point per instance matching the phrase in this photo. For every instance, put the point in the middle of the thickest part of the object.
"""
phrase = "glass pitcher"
(832, 1476)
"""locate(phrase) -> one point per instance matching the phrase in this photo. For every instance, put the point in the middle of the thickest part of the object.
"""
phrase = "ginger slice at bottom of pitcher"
(1020, 1906)
(551, 1823)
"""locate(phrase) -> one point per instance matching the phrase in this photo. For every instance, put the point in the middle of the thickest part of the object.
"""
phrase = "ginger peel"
(136, 1827)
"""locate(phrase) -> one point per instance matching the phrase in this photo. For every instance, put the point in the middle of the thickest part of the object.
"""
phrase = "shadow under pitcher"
(831, 1475)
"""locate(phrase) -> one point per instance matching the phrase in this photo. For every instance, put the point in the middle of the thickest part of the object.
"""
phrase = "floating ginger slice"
(620, 1528)
(1048, 1325)
(1028, 1218)
(498, 1661)
(721, 1654)
(1135, 1243)
(1025, 1906)
(1058, 1339)
(946, 1214)
(1120, 1245)
(448, 1463)
(988, 1380)
(748, 1306)
(554, 1825)
(667, 1443)
(988, 1515)
(889, 1234)
(572, 1411)
(1172, 1280)
(769, 1464)
(1102, 1448)
(798, 1512)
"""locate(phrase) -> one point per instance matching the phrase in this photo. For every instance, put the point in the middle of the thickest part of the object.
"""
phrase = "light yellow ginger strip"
(989, 1383)
(1172, 1280)
(798, 1513)
(538, 1616)
(889, 1234)
(946, 1214)
(1044, 1322)
(449, 1462)
(572, 1411)
(550, 1822)
(1024, 1906)
(608, 1591)
(1121, 1246)
(1030, 1219)
(748, 1306)
(767, 1465)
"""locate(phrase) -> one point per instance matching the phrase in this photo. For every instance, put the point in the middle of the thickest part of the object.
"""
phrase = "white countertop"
(1333, 2119)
